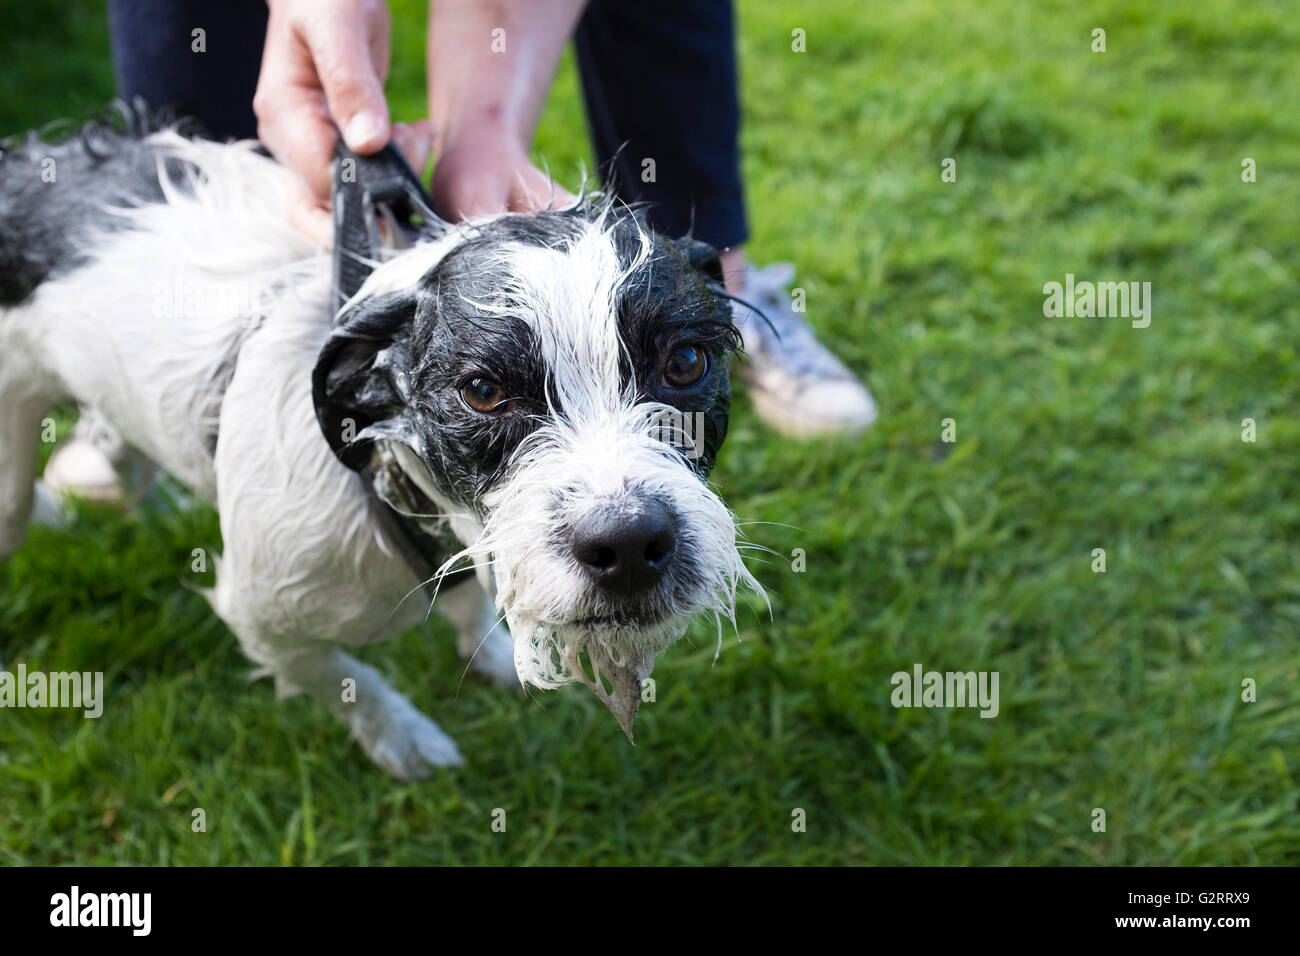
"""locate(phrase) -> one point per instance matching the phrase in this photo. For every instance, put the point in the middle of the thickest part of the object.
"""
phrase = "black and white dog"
(491, 387)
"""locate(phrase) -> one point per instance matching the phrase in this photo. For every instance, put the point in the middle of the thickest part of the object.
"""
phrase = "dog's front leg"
(306, 565)
(293, 590)
(388, 727)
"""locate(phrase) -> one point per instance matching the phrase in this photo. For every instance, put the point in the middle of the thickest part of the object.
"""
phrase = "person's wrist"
(478, 126)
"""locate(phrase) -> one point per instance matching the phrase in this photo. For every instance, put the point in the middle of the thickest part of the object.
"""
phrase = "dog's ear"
(702, 256)
(359, 384)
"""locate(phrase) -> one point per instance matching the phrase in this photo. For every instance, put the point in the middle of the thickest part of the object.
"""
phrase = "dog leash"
(365, 191)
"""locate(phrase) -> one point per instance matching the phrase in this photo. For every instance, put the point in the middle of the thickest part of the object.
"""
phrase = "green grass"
(1118, 690)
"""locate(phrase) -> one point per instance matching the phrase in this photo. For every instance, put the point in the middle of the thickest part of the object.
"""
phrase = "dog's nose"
(625, 550)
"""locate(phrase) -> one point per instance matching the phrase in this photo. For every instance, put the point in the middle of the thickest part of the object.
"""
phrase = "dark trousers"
(659, 80)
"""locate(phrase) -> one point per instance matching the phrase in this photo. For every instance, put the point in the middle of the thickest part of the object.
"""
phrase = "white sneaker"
(798, 387)
(96, 465)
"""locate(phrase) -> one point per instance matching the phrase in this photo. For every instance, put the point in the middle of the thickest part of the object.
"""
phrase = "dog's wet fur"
(153, 278)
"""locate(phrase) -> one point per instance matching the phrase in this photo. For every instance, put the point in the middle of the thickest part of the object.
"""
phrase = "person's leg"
(659, 81)
(660, 84)
(209, 76)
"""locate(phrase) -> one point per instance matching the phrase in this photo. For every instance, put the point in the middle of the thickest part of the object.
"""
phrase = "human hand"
(323, 71)
(483, 170)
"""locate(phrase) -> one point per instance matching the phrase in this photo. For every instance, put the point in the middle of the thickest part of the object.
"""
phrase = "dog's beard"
(549, 655)
(556, 614)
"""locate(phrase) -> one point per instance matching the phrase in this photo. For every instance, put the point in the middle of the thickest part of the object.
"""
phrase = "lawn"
(1119, 690)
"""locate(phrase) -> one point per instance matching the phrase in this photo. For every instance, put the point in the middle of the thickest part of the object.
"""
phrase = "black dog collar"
(368, 190)
(365, 190)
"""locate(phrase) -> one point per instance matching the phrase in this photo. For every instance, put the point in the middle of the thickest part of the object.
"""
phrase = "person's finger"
(309, 217)
(352, 86)
(470, 200)
(415, 140)
(561, 197)
(533, 191)
(294, 125)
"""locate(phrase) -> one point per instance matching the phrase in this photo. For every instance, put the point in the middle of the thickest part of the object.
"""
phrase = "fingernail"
(364, 128)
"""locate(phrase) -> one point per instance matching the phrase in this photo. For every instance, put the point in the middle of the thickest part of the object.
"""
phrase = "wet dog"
(500, 388)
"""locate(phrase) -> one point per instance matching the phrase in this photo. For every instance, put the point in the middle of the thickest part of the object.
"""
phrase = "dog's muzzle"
(625, 549)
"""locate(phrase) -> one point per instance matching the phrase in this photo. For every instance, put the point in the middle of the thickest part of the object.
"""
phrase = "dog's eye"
(685, 366)
(482, 394)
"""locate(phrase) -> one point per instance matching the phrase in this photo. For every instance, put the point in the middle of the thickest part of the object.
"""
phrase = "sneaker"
(798, 387)
(94, 464)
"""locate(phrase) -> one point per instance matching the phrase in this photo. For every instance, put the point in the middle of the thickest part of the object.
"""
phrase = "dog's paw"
(403, 741)
(492, 657)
